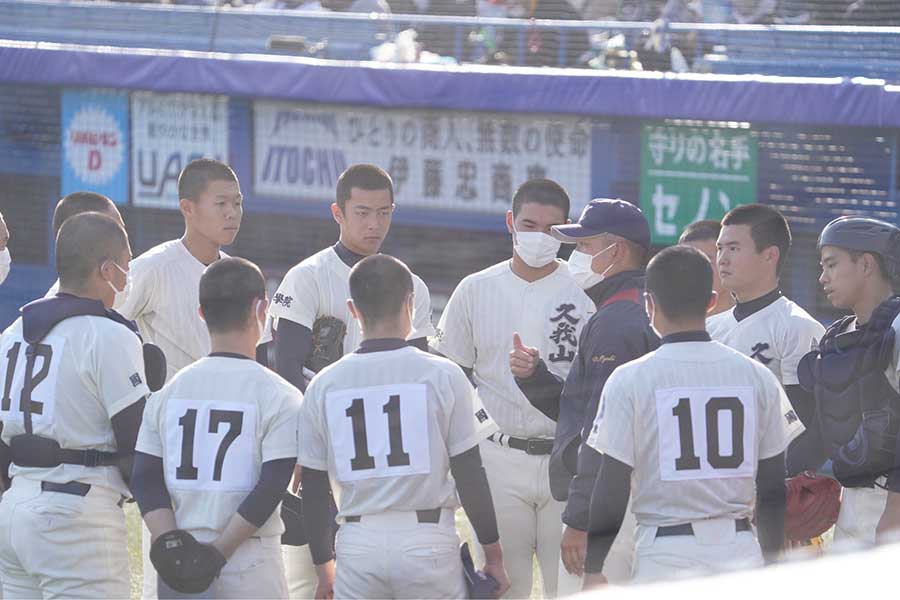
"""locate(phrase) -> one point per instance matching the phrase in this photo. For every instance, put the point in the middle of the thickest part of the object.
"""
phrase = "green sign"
(693, 173)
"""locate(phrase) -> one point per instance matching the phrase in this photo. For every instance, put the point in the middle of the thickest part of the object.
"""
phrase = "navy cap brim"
(571, 234)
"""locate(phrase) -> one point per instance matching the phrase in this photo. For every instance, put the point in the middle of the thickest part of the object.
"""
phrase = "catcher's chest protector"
(857, 409)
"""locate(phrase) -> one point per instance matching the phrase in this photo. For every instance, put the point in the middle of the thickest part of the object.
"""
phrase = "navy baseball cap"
(601, 215)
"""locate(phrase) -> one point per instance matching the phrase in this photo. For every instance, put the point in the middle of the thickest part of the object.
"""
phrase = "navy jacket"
(617, 333)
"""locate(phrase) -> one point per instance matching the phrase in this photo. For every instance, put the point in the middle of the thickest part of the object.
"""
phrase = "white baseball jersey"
(164, 301)
(476, 331)
(214, 425)
(693, 419)
(319, 286)
(53, 290)
(385, 424)
(777, 336)
(89, 369)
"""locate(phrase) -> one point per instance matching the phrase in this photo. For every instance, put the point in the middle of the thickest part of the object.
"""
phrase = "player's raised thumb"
(517, 342)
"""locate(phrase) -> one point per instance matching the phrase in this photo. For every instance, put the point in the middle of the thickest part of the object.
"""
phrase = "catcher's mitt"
(183, 563)
(327, 343)
(811, 507)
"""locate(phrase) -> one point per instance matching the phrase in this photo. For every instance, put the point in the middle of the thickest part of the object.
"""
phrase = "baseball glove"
(183, 563)
(478, 584)
(327, 343)
(811, 507)
(292, 515)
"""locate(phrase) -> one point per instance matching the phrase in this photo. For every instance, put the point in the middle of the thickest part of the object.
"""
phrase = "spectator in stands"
(438, 39)
(754, 11)
(597, 10)
(872, 12)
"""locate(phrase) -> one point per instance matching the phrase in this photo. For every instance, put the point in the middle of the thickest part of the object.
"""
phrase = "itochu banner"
(95, 143)
(169, 131)
(448, 160)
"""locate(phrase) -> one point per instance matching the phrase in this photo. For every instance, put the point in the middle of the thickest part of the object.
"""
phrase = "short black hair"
(229, 289)
(768, 227)
(77, 203)
(701, 231)
(541, 191)
(85, 242)
(379, 284)
(195, 177)
(364, 177)
(680, 280)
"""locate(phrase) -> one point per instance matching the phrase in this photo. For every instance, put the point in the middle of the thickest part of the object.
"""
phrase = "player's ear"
(649, 306)
(509, 221)
(353, 310)
(186, 207)
(200, 312)
(337, 214)
(262, 307)
(713, 299)
(773, 254)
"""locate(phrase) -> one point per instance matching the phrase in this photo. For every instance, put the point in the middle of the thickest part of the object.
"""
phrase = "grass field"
(133, 520)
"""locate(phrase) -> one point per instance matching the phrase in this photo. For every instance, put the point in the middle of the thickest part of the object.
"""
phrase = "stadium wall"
(457, 141)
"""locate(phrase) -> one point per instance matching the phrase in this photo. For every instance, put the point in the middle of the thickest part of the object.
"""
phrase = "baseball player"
(389, 424)
(854, 378)
(532, 297)
(217, 449)
(74, 394)
(77, 203)
(5, 258)
(702, 235)
(162, 297)
(316, 291)
(764, 325)
(697, 433)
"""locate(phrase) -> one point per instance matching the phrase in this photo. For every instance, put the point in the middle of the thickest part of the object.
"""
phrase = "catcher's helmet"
(864, 234)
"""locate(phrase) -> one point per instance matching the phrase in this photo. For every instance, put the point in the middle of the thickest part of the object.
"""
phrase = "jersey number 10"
(689, 459)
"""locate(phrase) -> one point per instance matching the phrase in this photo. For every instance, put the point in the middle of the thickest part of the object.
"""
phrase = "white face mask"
(121, 295)
(580, 268)
(536, 248)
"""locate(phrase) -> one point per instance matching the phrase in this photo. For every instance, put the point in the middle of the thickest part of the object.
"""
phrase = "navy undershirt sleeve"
(293, 343)
(475, 494)
(543, 390)
(149, 483)
(807, 451)
(771, 497)
(608, 504)
(261, 502)
(126, 424)
(317, 518)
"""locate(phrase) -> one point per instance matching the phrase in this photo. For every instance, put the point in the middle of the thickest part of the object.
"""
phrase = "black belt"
(533, 446)
(688, 529)
(75, 488)
(88, 458)
(432, 515)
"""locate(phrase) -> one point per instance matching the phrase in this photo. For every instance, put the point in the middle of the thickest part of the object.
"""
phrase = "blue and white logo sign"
(95, 143)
